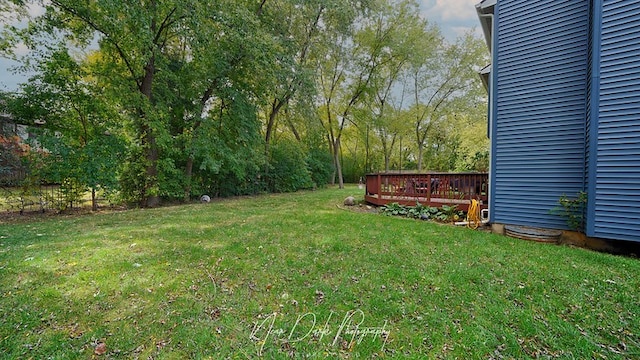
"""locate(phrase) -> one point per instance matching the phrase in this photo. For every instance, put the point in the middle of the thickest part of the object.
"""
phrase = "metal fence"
(42, 198)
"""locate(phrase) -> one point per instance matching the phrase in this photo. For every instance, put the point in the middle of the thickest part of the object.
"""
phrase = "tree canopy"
(167, 99)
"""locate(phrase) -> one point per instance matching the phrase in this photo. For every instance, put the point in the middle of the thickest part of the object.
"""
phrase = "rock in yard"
(350, 201)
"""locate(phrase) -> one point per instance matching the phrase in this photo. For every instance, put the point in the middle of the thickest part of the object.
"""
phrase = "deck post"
(429, 189)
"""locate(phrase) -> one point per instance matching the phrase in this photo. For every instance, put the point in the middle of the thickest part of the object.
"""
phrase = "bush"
(132, 178)
(572, 209)
(445, 213)
(320, 165)
(287, 168)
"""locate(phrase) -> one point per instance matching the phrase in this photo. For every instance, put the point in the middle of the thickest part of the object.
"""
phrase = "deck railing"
(433, 189)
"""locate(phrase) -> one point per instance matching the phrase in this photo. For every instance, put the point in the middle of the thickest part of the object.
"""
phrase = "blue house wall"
(614, 162)
(540, 84)
(565, 112)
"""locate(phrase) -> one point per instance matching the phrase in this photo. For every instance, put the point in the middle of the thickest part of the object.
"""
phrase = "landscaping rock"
(350, 201)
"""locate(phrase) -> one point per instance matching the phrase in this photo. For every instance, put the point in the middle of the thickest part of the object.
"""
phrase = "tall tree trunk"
(336, 160)
(188, 175)
(94, 200)
(273, 114)
(333, 159)
(151, 197)
(366, 159)
(294, 130)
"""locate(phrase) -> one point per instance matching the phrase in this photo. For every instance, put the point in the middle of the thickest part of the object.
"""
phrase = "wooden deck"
(432, 189)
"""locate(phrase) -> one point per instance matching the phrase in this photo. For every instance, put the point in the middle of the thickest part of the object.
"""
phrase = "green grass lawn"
(294, 276)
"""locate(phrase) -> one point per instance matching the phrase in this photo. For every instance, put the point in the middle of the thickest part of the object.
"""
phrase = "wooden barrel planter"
(533, 234)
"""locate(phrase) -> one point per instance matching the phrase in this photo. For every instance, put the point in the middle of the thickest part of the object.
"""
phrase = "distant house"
(9, 128)
(564, 111)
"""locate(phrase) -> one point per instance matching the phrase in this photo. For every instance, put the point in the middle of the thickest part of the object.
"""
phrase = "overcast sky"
(454, 17)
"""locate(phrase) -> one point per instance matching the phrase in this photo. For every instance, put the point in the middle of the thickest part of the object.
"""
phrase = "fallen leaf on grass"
(101, 348)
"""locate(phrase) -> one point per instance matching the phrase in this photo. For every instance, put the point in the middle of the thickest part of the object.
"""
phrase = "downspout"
(490, 186)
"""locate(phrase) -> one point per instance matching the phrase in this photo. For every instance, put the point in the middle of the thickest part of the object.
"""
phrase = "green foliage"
(449, 213)
(394, 209)
(170, 179)
(227, 150)
(573, 210)
(193, 91)
(132, 177)
(320, 166)
(288, 170)
(94, 164)
(77, 168)
(70, 192)
(449, 101)
(172, 69)
(473, 147)
(77, 144)
(29, 192)
(446, 213)
(419, 211)
(478, 162)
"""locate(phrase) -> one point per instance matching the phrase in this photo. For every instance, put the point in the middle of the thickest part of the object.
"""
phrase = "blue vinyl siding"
(539, 126)
(615, 210)
(592, 81)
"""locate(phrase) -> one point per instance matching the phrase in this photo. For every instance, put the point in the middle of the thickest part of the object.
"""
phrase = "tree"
(166, 64)
(473, 147)
(386, 98)
(79, 144)
(12, 149)
(443, 79)
(200, 89)
(224, 78)
(135, 39)
(297, 25)
(352, 62)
